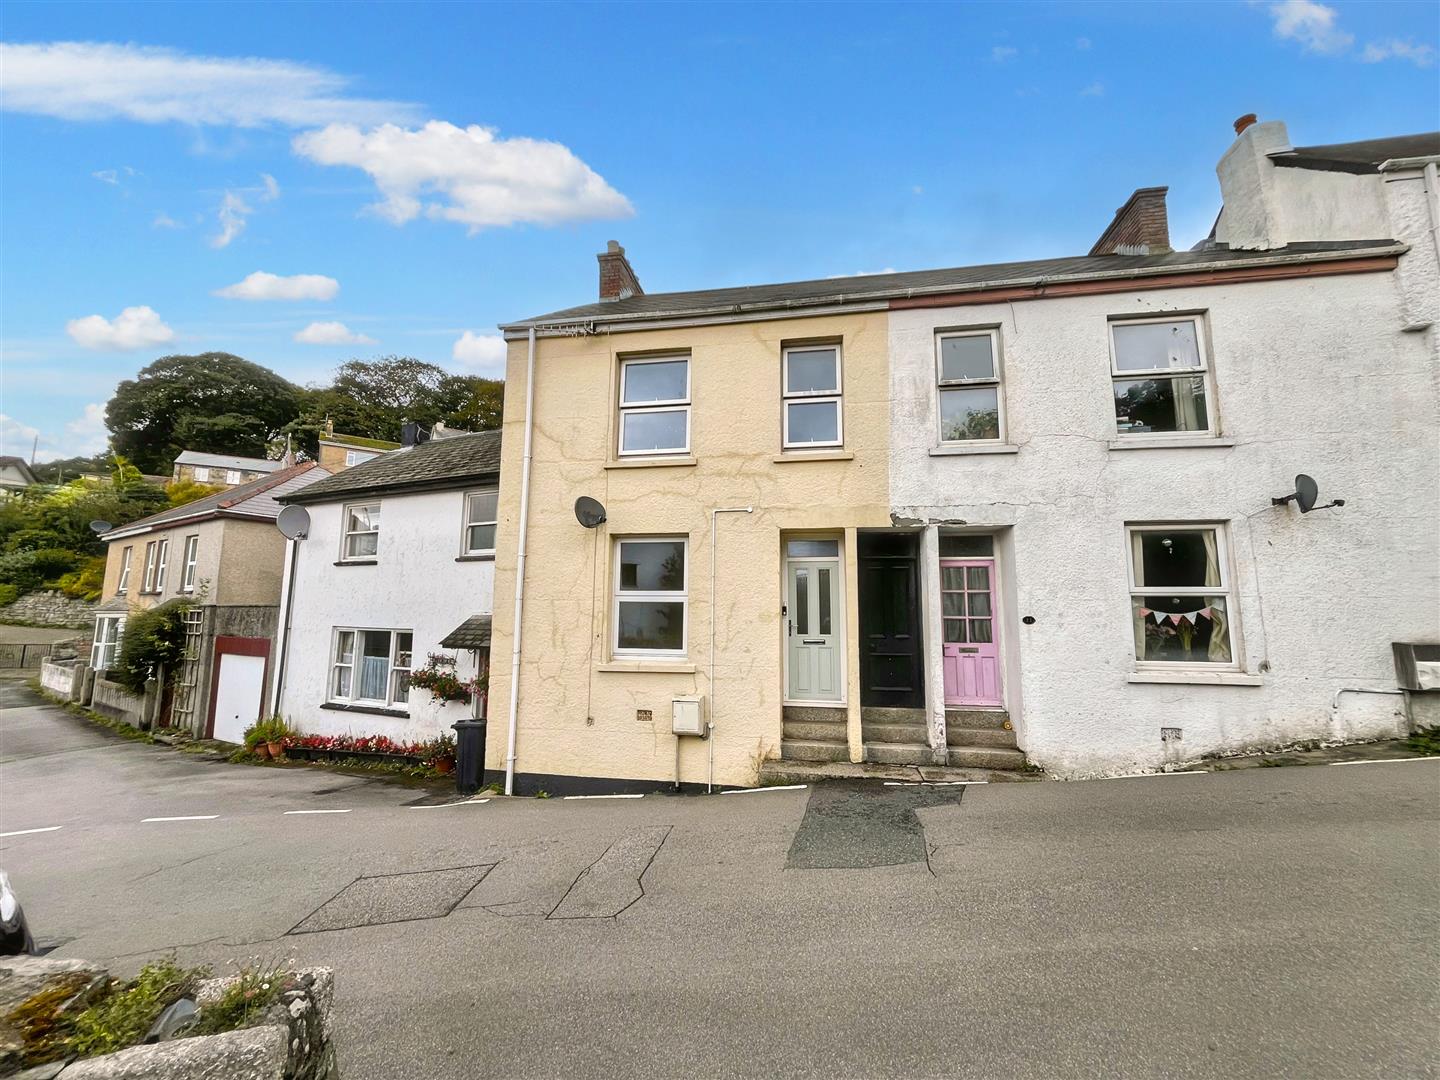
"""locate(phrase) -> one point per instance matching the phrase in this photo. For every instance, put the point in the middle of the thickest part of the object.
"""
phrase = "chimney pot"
(614, 245)
(1244, 122)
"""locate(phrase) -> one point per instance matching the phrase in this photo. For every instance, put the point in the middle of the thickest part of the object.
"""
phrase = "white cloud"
(1002, 53)
(477, 178)
(76, 80)
(263, 286)
(133, 328)
(1082, 43)
(88, 434)
(331, 333)
(1095, 89)
(165, 221)
(1311, 24)
(863, 273)
(234, 210)
(485, 352)
(107, 176)
(1395, 49)
(17, 439)
(917, 189)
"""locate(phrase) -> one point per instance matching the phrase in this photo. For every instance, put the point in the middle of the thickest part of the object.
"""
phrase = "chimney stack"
(617, 277)
(1140, 227)
(1244, 122)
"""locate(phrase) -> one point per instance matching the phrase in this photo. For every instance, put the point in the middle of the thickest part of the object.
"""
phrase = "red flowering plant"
(438, 676)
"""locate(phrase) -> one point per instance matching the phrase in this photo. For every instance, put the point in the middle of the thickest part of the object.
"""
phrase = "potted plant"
(441, 754)
(276, 735)
(255, 740)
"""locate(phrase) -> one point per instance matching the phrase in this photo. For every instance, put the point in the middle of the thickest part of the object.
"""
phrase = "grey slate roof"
(878, 288)
(1364, 156)
(440, 463)
(224, 461)
(256, 499)
(473, 633)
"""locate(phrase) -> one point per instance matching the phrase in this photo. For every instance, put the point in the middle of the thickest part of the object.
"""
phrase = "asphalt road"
(1258, 923)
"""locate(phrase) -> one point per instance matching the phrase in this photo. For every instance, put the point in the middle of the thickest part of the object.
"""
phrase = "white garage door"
(237, 699)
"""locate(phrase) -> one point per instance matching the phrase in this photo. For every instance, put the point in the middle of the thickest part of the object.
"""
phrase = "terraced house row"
(1060, 513)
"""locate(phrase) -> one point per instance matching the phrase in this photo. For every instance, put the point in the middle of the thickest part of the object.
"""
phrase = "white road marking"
(604, 797)
(27, 832)
(1389, 760)
(191, 817)
(753, 790)
(1143, 775)
(445, 805)
(317, 811)
(934, 783)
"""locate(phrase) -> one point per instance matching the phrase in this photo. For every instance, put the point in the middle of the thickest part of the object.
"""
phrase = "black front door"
(891, 672)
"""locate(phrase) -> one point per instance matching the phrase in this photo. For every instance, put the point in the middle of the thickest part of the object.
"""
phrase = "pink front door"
(971, 644)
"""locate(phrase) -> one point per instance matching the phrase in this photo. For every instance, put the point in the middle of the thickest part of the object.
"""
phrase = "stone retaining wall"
(46, 607)
(64, 678)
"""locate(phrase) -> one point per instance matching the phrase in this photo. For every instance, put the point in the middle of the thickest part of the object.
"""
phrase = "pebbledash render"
(1028, 512)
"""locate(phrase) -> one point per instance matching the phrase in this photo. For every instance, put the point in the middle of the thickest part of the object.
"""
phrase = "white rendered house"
(396, 561)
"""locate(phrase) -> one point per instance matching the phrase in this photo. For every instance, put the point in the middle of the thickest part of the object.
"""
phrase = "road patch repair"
(393, 898)
(852, 826)
(612, 882)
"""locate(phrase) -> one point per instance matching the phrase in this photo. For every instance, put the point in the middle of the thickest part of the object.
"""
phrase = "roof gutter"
(125, 532)
(880, 299)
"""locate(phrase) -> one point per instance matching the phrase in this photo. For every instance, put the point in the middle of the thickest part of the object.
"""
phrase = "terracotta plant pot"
(261, 750)
(277, 750)
(444, 766)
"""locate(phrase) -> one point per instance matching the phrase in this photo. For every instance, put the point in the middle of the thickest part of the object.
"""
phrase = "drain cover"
(391, 898)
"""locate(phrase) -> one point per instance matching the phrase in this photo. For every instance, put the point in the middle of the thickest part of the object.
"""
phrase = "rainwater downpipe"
(515, 626)
(710, 725)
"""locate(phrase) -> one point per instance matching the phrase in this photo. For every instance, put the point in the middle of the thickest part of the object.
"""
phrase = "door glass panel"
(953, 603)
(980, 603)
(812, 549)
(822, 576)
(979, 577)
(955, 630)
(952, 577)
(980, 631)
(802, 601)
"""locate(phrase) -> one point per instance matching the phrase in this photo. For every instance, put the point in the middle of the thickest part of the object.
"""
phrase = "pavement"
(1249, 923)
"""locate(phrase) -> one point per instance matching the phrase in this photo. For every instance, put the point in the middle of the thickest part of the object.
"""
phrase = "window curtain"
(1137, 560)
(373, 670)
(1184, 394)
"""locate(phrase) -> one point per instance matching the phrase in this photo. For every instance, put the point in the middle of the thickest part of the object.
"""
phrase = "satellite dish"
(1306, 492)
(589, 512)
(294, 522)
(98, 527)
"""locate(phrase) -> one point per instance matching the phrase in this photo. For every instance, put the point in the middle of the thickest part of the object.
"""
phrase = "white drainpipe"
(515, 626)
(710, 726)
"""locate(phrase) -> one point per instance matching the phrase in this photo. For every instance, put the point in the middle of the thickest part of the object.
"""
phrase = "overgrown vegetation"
(124, 1016)
(1425, 740)
(244, 1001)
(153, 638)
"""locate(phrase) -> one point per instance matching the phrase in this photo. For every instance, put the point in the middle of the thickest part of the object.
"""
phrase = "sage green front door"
(814, 631)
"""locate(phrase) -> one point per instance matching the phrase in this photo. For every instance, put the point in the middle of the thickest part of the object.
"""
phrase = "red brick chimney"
(1140, 227)
(617, 277)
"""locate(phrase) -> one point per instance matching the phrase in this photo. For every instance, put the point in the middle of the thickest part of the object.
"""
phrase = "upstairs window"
(811, 396)
(480, 519)
(161, 562)
(1180, 597)
(202, 474)
(1160, 378)
(655, 405)
(650, 612)
(355, 457)
(125, 557)
(192, 557)
(362, 531)
(232, 476)
(969, 386)
(372, 666)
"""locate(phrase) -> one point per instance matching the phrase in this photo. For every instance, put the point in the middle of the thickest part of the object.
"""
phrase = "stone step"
(806, 750)
(896, 733)
(815, 731)
(899, 753)
(976, 718)
(985, 757)
(872, 714)
(813, 713)
(967, 736)
(815, 772)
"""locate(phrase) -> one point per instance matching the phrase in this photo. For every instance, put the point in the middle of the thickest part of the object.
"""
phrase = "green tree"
(481, 403)
(213, 402)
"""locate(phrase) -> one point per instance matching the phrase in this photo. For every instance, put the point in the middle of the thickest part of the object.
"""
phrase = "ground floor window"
(1180, 596)
(650, 596)
(105, 650)
(371, 666)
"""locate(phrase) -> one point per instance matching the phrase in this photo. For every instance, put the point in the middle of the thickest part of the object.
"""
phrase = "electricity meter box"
(687, 716)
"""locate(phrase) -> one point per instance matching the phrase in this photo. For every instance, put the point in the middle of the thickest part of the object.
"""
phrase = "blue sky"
(434, 170)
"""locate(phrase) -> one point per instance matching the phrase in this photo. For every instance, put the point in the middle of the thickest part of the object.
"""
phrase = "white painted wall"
(416, 584)
(1313, 376)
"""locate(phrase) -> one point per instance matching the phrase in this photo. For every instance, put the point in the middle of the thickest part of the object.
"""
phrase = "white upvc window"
(162, 560)
(147, 580)
(232, 476)
(655, 405)
(810, 394)
(192, 557)
(362, 531)
(1160, 378)
(355, 457)
(481, 516)
(650, 607)
(125, 559)
(371, 667)
(201, 474)
(969, 393)
(105, 649)
(1182, 607)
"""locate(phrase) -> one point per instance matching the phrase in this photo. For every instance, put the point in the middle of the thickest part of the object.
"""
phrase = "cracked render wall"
(1311, 376)
(577, 707)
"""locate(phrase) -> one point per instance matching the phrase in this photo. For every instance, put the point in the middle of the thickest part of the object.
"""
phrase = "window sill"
(1169, 444)
(980, 448)
(656, 667)
(357, 562)
(813, 455)
(476, 558)
(373, 710)
(650, 462)
(1197, 678)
